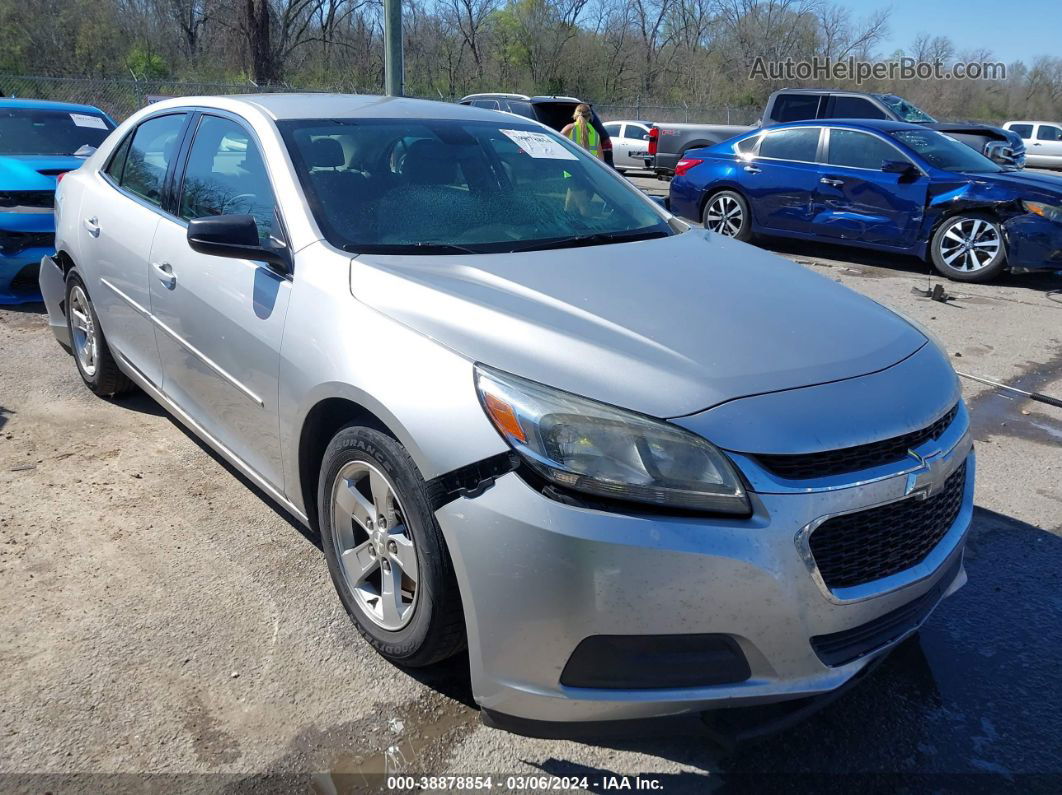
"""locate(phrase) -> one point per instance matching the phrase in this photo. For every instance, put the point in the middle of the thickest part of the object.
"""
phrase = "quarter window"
(1049, 133)
(859, 150)
(153, 147)
(117, 165)
(798, 143)
(225, 175)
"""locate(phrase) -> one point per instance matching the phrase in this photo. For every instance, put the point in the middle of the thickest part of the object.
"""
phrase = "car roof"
(828, 91)
(879, 125)
(45, 104)
(525, 97)
(1027, 121)
(281, 107)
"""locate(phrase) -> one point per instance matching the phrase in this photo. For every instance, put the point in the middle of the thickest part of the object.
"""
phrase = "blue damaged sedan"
(39, 141)
(883, 185)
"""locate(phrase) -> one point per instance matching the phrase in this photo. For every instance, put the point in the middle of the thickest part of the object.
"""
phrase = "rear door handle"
(165, 273)
(93, 227)
(834, 182)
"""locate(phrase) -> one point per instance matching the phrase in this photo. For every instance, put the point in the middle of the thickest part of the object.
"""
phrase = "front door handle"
(165, 273)
(833, 182)
(752, 169)
(93, 226)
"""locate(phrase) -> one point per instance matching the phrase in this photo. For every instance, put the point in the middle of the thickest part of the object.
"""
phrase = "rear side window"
(800, 143)
(153, 147)
(859, 150)
(225, 175)
(855, 108)
(1024, 130)
(613, 129)
(795, 107)
(1049, 133)
(489, 104)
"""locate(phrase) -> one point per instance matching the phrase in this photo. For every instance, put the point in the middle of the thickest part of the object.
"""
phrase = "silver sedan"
(639, 469)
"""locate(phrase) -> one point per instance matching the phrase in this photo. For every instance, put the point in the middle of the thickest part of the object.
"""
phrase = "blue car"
(38, 142)
(884, 185)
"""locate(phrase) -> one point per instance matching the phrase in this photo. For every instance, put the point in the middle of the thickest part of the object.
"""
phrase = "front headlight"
(1048, 211)
(591, 447)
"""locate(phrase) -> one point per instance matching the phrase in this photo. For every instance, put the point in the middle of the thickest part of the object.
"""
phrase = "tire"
(727, 213)
(92, 355)
(969, 247)
(416, 620)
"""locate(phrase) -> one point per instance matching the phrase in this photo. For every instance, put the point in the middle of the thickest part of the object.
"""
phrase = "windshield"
(431, 186)
(29, 131)
(944, 152)
(904, 110)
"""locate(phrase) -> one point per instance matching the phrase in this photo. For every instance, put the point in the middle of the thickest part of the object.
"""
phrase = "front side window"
(225, 175)
(795, 107)
(153, 148)
(441, 186)
(1048, 132)
(798, 143)
(944, 152)
(859, 150)
(855, 108)
(1024, 130)
(904, 110)
(29, 131)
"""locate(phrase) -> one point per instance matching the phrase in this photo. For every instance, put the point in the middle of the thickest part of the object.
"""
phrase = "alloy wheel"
(724, 216)
(374, 546)
(970, 244)
(85, 338)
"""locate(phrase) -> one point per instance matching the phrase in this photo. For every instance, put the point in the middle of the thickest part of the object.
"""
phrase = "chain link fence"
(122, 97)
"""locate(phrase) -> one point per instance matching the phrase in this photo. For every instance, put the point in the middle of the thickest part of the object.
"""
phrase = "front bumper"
(19, 274)
(538, 577)
(1033, 243)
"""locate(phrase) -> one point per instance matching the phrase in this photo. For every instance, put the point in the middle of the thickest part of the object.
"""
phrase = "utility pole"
(394, 71)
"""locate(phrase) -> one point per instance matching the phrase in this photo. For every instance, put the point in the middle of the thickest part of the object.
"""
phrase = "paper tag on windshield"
(539, 144)
(84, 120)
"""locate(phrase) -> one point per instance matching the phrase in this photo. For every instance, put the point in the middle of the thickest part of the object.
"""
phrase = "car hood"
(972, 127)
(24, 172)
(666, 327)
(1024, 181)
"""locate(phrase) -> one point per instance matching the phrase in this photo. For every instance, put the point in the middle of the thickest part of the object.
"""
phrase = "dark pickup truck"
(668, 143)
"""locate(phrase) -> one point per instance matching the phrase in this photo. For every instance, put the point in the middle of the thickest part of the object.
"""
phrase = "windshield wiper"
(593, 239)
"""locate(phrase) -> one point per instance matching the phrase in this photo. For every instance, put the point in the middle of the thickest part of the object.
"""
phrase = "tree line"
(695, 52)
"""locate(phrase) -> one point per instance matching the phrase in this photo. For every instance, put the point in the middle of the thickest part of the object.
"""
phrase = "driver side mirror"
(235, 236)
(901, 167)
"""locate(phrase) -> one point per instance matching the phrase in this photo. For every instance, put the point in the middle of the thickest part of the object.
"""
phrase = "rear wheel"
(385, 551)
(94, 361)
(969, 248)
(727, 213)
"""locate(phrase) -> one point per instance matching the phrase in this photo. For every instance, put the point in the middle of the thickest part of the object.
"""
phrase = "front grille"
(39, 199)
(839, 648)
(861, 547)
(14, 242)
(853, 459)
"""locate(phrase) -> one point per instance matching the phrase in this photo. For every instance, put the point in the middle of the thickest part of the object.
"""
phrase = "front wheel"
(727, 213)
(385, 551)
(969, 248)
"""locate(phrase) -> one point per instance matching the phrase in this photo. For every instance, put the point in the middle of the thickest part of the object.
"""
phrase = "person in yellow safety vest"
(582, 131)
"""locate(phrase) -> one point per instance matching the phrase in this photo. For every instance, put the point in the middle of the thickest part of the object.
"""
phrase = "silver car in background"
(640, 469)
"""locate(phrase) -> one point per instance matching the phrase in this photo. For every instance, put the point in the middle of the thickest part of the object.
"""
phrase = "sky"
(1012, 31)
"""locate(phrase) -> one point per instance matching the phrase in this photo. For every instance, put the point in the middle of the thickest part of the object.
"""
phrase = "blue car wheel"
(969, 247)
(727, 213)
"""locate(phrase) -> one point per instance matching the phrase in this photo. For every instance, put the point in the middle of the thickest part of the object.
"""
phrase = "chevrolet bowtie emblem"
(929, 478)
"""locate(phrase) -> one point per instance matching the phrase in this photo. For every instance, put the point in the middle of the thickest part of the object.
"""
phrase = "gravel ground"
(162, 616)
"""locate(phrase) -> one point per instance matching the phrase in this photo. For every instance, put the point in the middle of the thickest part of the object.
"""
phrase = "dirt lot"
(161, 616)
